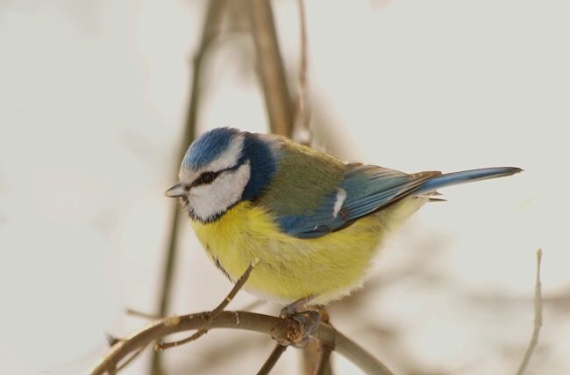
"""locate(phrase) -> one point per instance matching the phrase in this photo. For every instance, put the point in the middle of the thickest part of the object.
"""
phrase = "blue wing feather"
(368, 189)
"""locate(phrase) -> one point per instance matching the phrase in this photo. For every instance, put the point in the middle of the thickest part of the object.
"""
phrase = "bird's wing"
(364, 189)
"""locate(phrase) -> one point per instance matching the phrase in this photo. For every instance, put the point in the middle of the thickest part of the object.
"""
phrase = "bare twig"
(127, 362)
(271, 68)
(324, 363)
(351, 350)
(272, 360)
(316, 360)
(237, 287)
(111, 340)
(166, 326)
(537, 316)
(310, 358)
(213, 314)
(281, 329)
(144, 315)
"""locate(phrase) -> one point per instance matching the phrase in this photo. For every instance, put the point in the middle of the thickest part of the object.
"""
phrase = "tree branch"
(281, 329)
(271, 68)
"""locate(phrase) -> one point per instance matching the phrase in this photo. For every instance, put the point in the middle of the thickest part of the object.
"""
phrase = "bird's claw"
(304, 324)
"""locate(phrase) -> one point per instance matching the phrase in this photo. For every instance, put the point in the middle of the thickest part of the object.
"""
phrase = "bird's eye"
(207, 177)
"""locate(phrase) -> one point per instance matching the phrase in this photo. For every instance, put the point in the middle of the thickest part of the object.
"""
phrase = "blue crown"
(207, 147)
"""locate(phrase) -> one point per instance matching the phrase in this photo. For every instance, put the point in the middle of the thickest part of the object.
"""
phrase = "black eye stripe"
(208, 177)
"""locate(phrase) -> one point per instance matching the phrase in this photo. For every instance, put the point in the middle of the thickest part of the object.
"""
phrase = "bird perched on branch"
(310, 222)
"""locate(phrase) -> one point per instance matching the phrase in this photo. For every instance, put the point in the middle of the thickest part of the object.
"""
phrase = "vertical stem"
(324, 364)
(302, 115)
(271, 68)
(317, 355)
(212, 24)
(272, 360)
(167, 280)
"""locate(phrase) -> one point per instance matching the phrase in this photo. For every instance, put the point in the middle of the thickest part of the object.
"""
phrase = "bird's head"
(221, 168)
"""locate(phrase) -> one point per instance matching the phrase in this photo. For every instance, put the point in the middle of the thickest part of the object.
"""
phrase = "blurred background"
(93, 100)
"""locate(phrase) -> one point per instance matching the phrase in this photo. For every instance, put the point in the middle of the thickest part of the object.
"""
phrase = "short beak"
(175, 191)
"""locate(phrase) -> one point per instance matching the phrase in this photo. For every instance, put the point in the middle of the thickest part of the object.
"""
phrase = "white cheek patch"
(209, 201)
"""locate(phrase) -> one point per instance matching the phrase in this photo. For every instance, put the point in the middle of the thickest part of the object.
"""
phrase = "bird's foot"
(307, 321)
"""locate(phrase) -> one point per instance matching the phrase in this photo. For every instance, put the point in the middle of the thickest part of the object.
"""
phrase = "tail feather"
(456, 178)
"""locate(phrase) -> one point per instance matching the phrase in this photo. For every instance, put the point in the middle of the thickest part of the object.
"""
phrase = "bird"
(310, 223)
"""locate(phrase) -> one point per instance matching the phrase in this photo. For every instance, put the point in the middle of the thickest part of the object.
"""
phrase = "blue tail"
(455, 178)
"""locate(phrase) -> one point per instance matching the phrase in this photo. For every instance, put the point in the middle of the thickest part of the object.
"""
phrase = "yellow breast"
(290, 268)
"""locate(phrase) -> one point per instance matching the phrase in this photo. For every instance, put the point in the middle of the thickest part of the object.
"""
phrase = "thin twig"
(271, 67)
(313, 351)
(213, 314)
(351, 350)
(140, 314)
(324, 363)
(128, 361)
(237, 287)
(537, 316)
(279, 328)
(211, 26)
(272, 360)
(111, 340)
(310, 357)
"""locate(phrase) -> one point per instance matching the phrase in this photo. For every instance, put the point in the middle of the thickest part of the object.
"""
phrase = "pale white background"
(92, 100)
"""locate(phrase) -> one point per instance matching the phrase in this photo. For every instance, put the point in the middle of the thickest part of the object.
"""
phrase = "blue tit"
(310, 222)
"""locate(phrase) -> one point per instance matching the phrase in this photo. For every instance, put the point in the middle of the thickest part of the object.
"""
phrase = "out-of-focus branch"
(271, 68)
(280, 328)
(316, 355)
(537, 316)
(324, 363)
(302, 132)
(329, 336)
(212, 24)
(272, 359)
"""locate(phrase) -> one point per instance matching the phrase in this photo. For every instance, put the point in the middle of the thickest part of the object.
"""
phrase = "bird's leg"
(307, 318)
(295, 307)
